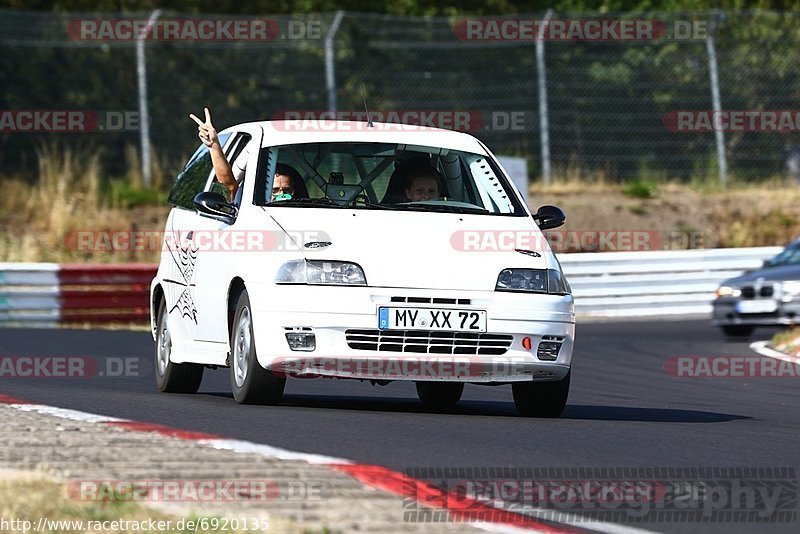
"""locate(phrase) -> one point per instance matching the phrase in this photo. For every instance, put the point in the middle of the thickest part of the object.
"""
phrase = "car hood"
(417, 249)
(769, 274)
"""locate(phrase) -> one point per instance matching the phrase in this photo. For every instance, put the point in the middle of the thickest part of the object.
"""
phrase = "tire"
(250, 383)
(441, 394)
(172, 377)
(541, 399)
(738, 330)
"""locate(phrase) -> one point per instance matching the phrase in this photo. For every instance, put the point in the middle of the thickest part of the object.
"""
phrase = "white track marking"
(65, 413)
(268, 451)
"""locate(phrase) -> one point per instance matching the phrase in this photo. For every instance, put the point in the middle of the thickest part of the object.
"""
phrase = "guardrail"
(607, 284)
(658, 283)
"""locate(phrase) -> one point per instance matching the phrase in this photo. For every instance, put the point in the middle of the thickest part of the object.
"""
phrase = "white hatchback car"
(353, 275)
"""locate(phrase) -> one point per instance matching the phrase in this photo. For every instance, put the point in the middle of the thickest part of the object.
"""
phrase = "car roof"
(322, 131)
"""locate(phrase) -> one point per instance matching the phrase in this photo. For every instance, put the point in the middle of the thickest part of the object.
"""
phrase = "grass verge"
(30, 496)
(787, 341)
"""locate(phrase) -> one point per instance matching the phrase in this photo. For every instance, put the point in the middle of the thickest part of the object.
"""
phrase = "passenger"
(420, 180)
(422, 188)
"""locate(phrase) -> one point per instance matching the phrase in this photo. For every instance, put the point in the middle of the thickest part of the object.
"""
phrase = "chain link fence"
(612, 104)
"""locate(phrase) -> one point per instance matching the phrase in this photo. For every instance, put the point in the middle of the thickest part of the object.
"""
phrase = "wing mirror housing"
(213, 205)
(548, 217)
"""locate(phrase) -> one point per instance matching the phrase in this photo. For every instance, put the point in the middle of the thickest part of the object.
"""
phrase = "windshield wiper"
(373, 205)
(307, 202)
(441, 208)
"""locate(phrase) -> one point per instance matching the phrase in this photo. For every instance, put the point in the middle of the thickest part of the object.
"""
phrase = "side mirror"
(214, 206)
(549, 217)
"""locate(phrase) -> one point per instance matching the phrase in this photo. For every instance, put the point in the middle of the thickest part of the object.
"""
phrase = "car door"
(219, 261)
(182, 252)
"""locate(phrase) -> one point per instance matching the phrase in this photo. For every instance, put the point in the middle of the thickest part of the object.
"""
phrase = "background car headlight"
(727, 291)
(321, 272)
(550, 281)
(791, 287)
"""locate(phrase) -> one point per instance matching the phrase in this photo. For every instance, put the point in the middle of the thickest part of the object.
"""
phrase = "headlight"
(726, 291)
(791, 287)
(550, 281)
(321, 272)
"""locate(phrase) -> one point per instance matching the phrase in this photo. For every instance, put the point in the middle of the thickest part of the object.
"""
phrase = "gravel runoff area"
(302, 496)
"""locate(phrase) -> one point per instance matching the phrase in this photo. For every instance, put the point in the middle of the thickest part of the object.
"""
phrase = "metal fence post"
(722, 162)
(544, 124)
(144, 117)
(330, 74)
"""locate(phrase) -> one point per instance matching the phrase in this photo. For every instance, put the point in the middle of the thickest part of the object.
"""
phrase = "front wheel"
(251, 383)
(541, 399)
(442, 394)
(172, 377)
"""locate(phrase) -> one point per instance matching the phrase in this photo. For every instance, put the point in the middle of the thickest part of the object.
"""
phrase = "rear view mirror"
(214, 206)
(549, 217)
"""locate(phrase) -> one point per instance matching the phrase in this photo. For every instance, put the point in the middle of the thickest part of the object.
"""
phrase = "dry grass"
(40, 217)
(787, 341)
(742, 215)
(566, 183)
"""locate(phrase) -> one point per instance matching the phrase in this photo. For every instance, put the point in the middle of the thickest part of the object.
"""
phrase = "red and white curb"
(377, 477)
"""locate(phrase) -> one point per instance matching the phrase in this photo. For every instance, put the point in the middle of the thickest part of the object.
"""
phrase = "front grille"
(750, 292)
(431, 300)
(428, 341)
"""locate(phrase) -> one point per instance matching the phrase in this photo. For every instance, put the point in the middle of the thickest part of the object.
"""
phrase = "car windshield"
(386, 176)
(788, 256)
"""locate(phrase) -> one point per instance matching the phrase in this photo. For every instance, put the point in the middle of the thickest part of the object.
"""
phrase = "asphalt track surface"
(624, 409)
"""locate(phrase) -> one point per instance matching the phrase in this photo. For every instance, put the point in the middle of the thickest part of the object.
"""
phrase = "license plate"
(431, 319)
(756, 306)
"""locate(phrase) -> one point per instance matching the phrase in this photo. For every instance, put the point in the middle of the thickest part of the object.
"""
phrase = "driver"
(287, 183)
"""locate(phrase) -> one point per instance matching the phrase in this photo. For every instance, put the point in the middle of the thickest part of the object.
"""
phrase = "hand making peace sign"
(205, 130)
(222, 168)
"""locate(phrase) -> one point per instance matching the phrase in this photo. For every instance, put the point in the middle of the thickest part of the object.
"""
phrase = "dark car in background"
(769, 296)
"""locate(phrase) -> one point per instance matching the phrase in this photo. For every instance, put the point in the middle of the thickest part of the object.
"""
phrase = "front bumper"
(333, 314)
(725, 313)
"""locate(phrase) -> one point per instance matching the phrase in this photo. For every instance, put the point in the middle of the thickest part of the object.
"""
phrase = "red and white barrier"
(53, 295)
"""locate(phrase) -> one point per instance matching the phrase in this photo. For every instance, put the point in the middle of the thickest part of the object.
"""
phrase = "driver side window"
(237, 155)
(192, 179)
